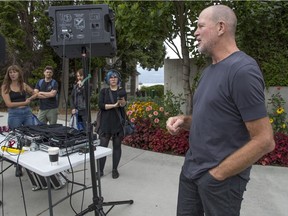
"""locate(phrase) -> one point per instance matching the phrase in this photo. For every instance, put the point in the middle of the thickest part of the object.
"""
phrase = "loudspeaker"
(2, 49)
(83, 26)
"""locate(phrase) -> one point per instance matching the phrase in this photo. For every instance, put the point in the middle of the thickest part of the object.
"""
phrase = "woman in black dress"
(111, 102)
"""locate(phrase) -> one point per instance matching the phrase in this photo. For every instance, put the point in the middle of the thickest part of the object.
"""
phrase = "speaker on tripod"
(79, 31)
(89, 26)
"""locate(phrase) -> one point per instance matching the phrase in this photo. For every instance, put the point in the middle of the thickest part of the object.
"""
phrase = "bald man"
(229, 129)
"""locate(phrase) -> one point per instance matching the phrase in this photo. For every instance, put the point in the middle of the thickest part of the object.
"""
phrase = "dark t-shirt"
(48, 103)
(229, 93)
(110, 121)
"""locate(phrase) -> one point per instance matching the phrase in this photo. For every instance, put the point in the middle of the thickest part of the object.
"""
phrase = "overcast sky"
(151, 76)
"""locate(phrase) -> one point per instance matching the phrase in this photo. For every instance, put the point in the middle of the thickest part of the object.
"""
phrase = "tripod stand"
(97, 204)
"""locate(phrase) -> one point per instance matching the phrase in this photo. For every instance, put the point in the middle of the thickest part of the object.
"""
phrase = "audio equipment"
(78, 26)
(81, 31)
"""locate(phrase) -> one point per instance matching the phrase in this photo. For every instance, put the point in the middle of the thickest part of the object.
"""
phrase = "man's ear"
(221, 28)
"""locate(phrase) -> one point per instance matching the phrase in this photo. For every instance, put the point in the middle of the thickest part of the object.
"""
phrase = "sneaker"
(115, 174)
(101, 174)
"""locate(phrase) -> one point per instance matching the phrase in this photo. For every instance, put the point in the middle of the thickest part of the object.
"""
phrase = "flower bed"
(279, 156)
(157, 139)
(150, 120)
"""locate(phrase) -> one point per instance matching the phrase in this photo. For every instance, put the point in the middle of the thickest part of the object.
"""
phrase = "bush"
(278, 115)
(279, 156)
(156, 112)
(149, 137)
(152, 91)
(150, 120)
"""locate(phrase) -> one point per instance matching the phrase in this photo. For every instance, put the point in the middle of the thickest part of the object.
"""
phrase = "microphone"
(121, 93)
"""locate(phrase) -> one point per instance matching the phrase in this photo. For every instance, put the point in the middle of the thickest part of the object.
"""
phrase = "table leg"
(49, 196)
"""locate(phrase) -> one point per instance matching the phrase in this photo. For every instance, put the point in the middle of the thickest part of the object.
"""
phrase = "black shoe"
(101, 174)
(18, 171)
(115, 174)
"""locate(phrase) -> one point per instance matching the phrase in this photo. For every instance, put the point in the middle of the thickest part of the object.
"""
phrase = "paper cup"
(53, 155)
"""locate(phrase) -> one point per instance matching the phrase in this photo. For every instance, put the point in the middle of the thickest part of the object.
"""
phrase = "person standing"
(47, 89)
(78, 102)
(14, 93)
(229, 127)
(111, 102)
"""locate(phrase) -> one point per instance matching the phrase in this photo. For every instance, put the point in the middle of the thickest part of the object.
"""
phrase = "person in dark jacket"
(78, 103)
(111, 102)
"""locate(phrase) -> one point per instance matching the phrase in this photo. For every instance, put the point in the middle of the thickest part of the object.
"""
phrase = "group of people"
(229, 127)
(17, 96)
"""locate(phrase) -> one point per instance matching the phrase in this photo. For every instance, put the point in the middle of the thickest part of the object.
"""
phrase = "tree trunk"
(182, 20)
(133, 83)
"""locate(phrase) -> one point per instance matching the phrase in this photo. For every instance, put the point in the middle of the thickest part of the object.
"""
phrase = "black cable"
(66, 119)
(2, 185)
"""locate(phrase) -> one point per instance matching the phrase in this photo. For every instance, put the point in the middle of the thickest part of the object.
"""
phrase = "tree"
(263, 34)
(138, 37)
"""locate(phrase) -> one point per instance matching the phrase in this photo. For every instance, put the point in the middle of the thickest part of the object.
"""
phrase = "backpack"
(42, 80)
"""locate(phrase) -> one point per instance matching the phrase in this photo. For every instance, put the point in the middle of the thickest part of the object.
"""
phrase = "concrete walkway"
(148, 178)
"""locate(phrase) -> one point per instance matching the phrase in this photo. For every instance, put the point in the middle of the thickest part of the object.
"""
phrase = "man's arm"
(43, 95)
(261, 143)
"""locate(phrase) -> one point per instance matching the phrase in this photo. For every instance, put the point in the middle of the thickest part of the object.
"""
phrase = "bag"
(36, 121)
(97, 122)
(74, 123)
(129, 127)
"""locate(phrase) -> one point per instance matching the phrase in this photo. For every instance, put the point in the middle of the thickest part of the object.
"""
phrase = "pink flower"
(161, 109)
(155, 113)
(156, 120)
(132, 119)
(150, 115)
(149, 108)
(129, 112)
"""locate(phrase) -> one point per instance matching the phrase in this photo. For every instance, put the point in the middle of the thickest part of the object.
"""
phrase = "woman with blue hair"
(111, 102)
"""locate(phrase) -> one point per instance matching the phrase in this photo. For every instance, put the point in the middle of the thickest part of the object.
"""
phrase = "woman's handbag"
(129, 127)
(97, 123)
